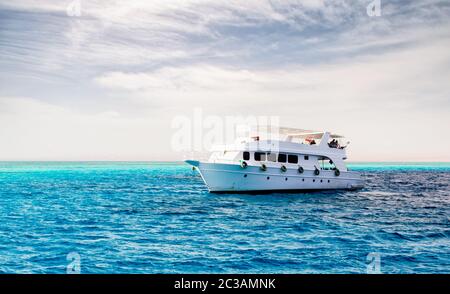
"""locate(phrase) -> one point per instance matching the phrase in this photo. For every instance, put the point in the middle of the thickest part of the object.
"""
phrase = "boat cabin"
(292, 148)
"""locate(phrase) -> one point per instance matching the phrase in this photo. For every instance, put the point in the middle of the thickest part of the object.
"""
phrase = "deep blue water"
(159, 218)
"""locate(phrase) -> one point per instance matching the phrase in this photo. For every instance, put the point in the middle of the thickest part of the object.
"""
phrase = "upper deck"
(282, 139)
(317, 145)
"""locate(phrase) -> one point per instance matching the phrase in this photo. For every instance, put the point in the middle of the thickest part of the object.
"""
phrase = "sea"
(158, 217)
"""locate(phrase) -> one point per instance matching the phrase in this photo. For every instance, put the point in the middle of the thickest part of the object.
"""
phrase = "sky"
(105, 80)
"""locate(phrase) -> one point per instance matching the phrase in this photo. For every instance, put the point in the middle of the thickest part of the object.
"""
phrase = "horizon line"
(182, 161)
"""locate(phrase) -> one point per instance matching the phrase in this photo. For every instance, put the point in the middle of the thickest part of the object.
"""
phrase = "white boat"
(297, 160)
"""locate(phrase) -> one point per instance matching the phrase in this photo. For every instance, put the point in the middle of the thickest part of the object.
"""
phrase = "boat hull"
(228, 178)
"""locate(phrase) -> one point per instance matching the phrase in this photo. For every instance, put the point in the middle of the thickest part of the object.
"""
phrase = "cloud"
(134, 65)
(393, 98)
(34, 130)
(403, 78)
(146, 33)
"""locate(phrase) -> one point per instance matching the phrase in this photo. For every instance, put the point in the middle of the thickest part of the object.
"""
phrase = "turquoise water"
(143, 217)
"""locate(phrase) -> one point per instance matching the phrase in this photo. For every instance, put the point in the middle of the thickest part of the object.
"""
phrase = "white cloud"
(405, 75)
(132, 35)
(33, 130)
(316, 64)
(396, 98)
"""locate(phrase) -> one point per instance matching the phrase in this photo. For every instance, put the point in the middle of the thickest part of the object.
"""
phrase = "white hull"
(221, 177)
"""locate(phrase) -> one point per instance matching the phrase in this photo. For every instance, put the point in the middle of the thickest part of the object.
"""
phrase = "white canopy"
(289, 132)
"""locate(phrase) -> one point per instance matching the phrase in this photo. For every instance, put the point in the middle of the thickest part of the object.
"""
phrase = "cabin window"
(246, 155)
(292, 158)
(272, 157)
(281, 157)
(259, 156)
(306, 157)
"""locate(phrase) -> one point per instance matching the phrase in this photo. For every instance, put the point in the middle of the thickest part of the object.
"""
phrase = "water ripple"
(159, 218)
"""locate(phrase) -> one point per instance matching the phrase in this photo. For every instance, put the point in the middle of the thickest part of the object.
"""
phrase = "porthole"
(285, 179)
(321, 181)
(245, 175)
(268, 178)
(314, 180)
(328, 181)
(303, 180)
